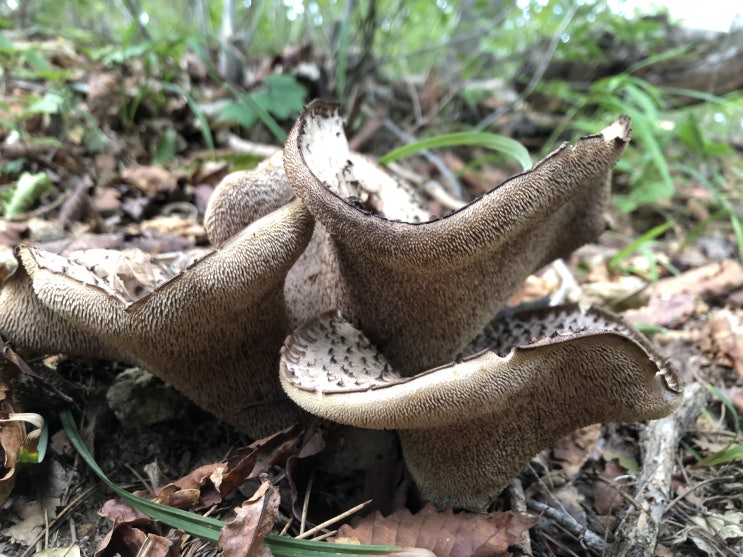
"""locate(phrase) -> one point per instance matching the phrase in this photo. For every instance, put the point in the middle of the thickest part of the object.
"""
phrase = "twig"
(587, 537)
(517, 499)
(305, 506)
(251, 148)
(637, 534)
(349, 512)
(432, 188)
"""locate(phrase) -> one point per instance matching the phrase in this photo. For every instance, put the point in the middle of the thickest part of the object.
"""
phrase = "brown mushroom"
(468, 427)
(422, 290)
(213, 332)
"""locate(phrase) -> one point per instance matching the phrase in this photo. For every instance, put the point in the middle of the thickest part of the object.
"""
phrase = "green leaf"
(728, 454)
(33, 448)
(35, 59)
(493, 141)
(6, 45)
(51, 103)
(638, 243)
(166, 147)
(239, 113)
(28, 189)
(285, 94)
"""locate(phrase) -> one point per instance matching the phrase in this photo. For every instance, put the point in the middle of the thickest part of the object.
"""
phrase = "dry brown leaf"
(572, 450)
(243, 536)
(133, 534)
(676, 298)
(446, 533)
(726, 333)
(607, 498)
(150, 179)
(209, 172)
(209, 484)
(708, 282)
(12, 434)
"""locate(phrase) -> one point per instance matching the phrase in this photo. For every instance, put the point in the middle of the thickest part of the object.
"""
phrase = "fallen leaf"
(572, 450)
(704, 528)
(446, 533)
(150, 179)
(676, 298)
(607, 497)
(211, 483)
(133, 533)
(243, 536)
(708, 282)
(726, 335)
(299, 468)
(12, 433)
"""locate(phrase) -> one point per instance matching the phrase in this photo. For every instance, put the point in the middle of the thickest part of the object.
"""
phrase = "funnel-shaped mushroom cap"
(468, 427)
(214, 331)
(422, 290)
(244, 196)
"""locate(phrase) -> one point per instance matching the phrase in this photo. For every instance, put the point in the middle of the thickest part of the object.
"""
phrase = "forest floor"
(127, 167)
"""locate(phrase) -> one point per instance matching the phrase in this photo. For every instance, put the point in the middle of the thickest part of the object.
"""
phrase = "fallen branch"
(637, 534)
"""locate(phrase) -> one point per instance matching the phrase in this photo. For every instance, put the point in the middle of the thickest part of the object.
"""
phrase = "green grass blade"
(28, 189)
(208, 528)
(729, 454)
(500, 143)
(638, 243)
(200, 526)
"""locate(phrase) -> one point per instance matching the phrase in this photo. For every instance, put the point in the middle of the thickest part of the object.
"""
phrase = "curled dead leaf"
(243, 536)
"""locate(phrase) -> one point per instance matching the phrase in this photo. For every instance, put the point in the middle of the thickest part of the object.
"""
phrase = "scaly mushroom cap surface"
(243, 197)
(468, 427)
(213, 332)
(312, 285)
(422, 290)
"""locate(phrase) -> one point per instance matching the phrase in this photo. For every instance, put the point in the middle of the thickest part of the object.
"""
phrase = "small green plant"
(18, 199)
(280, 96)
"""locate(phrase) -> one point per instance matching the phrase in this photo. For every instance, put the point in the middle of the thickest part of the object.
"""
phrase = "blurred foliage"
(465, 40)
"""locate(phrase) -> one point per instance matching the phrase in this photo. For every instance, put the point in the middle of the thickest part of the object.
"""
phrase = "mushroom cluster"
(330, 282)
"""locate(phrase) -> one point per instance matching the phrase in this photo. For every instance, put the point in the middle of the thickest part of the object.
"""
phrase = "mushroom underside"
(468, 427)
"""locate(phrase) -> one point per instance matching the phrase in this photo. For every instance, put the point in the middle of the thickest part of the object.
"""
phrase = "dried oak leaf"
(132, 534)
(209, 484)
(675, 298)
(725, 329)
(446, 533)
(243, 536)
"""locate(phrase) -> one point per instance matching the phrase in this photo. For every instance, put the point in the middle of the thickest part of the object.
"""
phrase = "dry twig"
(638, 532)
